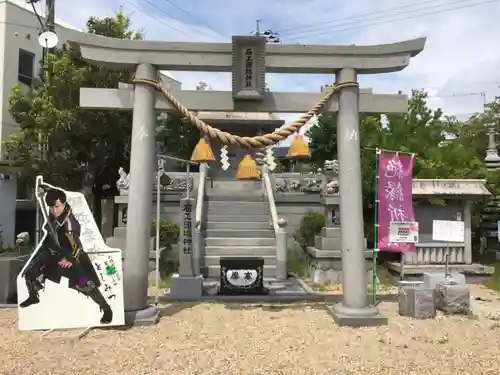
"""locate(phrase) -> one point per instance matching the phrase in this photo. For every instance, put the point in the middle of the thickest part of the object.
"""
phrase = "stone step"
(215, 197)
(327, 243)
(214, 260)
(237, 225)
(332, 232)
(242, 218)
(239, 233)
(240, 241)
(214, 271)
(229, 209)
(229, 251)
(235, 187)
(237, 204)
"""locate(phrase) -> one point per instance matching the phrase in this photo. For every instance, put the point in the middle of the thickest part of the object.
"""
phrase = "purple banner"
(395, 198)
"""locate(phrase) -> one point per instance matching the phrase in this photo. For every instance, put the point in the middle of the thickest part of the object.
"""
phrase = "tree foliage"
(323, 136)
(70, 146)
(445, 148)
(175, 137)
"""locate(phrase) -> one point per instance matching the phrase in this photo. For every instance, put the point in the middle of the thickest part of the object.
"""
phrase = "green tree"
(175, 137)
(444, 147)
(80, 149)
(323, 136)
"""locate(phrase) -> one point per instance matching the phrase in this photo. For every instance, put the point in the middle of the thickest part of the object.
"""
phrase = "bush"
(297, 261)
(169, 233)
(169, 236)
(310, 226)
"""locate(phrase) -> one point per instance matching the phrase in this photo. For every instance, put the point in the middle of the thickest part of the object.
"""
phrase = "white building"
(20, 58)
(21, 54)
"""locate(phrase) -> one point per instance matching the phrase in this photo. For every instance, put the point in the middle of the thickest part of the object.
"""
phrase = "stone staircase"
(237, 225)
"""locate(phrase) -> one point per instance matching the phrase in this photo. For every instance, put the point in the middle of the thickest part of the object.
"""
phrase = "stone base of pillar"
(141, 318)
(186, 288)
(356, 317)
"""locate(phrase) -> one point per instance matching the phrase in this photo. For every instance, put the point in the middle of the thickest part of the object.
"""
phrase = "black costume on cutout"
(82, 276)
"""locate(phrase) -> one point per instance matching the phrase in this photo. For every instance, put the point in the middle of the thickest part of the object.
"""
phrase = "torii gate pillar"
(353, 311)
(142, 166)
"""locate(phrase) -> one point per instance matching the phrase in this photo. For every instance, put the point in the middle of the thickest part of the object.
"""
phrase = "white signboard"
(448, 231)
(403, 232)
(498, 231)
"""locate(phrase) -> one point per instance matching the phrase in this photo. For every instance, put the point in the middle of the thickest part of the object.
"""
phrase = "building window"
(26, 67)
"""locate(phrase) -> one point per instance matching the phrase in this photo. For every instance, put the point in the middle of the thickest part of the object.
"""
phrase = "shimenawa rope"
(260, 141)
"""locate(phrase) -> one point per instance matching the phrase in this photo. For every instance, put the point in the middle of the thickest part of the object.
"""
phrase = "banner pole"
(375, 228)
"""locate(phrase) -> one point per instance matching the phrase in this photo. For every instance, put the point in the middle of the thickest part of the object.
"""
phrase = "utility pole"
(48, 41)
(50, 19)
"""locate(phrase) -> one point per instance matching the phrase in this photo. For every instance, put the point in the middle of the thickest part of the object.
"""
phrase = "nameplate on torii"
(249, 67)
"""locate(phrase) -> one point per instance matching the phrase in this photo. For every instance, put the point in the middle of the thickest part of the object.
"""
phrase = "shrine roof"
(450, 187)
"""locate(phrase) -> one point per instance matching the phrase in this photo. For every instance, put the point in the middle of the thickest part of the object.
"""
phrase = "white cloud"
(461, 55)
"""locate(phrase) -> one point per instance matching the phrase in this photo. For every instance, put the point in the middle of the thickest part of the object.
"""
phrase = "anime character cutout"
(60, 254)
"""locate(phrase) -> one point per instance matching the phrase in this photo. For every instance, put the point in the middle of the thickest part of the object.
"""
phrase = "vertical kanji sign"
(395, 198)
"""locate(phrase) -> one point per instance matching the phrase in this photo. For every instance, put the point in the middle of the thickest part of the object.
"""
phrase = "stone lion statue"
(331, 171)
(124, 180)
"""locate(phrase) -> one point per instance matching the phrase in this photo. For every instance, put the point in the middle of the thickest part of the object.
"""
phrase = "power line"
(154, 17)
(383, 11)
(193, 17)
(412, 16)
(469, 83)
(460, 94)
(159, 19)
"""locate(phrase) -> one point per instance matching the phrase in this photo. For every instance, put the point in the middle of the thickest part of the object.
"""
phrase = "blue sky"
(461, 59)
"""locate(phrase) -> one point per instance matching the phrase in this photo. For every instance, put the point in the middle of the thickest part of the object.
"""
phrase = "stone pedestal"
(417, 302)
(453, 298)
(186, 287)
(188, 283)
(326, 255)
(433, 279)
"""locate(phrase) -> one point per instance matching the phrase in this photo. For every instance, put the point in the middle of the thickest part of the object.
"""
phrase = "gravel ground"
(265, 339)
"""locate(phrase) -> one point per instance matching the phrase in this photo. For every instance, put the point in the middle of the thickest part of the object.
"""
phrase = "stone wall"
(169, 208)
(292, 208)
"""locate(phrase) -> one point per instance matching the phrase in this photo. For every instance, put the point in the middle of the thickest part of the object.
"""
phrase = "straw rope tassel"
(299, 149)
(248, 169)
(202, 153)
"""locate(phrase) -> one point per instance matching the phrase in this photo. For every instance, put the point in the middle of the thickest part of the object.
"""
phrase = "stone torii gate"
(248, 95)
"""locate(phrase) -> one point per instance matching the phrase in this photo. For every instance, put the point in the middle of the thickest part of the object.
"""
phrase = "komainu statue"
(124, 180)
(331, 171)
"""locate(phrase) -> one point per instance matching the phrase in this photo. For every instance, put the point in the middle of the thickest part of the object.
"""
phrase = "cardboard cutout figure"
(72, 279)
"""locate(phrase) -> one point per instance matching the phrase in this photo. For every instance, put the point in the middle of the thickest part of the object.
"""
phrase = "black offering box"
(242, 276)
